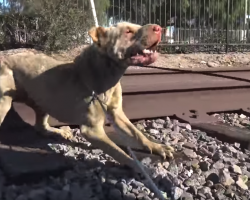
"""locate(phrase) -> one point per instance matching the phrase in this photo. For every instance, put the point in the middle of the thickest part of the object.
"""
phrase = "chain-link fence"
(191, 25)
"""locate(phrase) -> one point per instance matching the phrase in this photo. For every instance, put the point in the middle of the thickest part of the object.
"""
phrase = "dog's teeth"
(137, 54)
(146, 51)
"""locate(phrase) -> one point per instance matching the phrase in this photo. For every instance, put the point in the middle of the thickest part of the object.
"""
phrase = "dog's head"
(127, 42)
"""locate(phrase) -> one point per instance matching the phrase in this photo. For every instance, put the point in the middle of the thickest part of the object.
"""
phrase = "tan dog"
(64, 90)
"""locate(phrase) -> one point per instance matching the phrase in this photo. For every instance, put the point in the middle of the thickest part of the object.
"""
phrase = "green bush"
(52, 25)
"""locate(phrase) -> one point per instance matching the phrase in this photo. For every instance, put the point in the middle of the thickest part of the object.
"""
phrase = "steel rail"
(154, 93)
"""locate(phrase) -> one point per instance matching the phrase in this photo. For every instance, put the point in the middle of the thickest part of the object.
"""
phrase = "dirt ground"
(195, 60)
(203, 60)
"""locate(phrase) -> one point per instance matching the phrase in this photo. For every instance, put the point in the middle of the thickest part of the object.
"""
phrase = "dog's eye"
(128, 31)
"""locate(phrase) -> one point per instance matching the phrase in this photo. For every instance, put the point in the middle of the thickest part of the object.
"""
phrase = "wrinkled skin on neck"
(107, 71)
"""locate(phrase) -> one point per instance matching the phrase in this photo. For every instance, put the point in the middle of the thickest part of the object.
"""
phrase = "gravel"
(234, 119)
(213, 170)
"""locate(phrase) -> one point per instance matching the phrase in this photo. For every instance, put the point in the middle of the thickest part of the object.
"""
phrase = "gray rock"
(153, 131)
(212, 148)
(140, 127)
(9, 192)
(136, 184)
(204, 166)
(146, 198)
(57, 194)
(190, 153)
(151, 194)
(214, 177)
(191, 182)
(209, 183)
(218, 165)
(190, 145)
(199, 178)
(111, 181)
(176, 128)
(225, 178)
(135, 191)
(97, 151)
(205, 152)
(230, 160)
(173, 168)
(220, 189)
(122, 187)
(177, 193)
(78, 192)
(165, 131)
(219, 196)
(115, 193)
(229, 193)
(202, 196)
(185, 126)
(193, 190)
(236, 169)
(37, 194)
(22, 197)
(218, 156)
(141, 195)
(175, 122)
(195, 163)
(63, 195)
(247, 173)
(165, 164)
(160, 121)
(232, 149)
(145, 190)
(204, 190)
(242, 183)
(129, 196)
(186, 196)
(155, 125)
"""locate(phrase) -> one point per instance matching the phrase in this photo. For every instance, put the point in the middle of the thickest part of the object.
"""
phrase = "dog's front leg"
(123, 125)
(97, 137)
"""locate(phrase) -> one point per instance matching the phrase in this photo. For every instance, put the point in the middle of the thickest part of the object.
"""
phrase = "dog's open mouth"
(145, 57)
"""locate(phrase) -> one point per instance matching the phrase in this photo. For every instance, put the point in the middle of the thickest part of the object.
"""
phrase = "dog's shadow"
(25, 155)
(16, 159)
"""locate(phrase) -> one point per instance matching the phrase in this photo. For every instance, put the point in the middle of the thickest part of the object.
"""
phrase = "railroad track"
(188, 95)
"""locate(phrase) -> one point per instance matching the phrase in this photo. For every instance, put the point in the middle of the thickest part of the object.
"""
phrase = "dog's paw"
(65, 132)
(165, 151)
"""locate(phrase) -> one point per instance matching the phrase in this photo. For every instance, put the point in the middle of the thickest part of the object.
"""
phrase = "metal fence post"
(227, 33)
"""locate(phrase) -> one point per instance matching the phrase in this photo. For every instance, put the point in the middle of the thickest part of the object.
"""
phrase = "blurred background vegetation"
(60, 24)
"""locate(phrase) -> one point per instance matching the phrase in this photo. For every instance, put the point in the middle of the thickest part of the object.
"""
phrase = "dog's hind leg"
(7, 86)
(5, 105)
(43, 127)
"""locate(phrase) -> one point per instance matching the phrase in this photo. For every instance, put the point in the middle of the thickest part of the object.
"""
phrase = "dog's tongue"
(145, 59)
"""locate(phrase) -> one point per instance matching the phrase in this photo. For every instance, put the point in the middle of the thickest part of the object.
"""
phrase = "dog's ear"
(96, 33)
